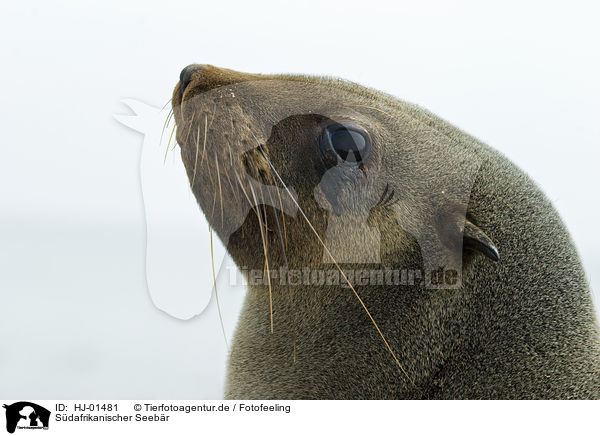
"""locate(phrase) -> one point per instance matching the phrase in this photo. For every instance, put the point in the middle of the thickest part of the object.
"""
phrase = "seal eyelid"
(344, 143)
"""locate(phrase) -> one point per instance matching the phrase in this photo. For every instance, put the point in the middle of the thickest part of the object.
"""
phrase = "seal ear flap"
(452, 224)
(475, 239)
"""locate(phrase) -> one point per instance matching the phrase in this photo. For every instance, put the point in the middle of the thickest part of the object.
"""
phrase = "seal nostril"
(186, 74)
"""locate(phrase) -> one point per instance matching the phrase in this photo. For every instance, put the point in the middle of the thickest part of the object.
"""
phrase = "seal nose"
(186, 74)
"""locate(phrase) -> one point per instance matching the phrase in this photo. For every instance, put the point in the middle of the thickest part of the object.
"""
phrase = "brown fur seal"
(329, 168)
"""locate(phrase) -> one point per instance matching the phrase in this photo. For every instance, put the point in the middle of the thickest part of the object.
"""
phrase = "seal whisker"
(283, 251)
(282, 215)
(169, 143)
(236, 191)
(212, 212)
(219, 182)
(264, 235)
(168, 119)
(341, 272)
(191, 123)
(240, 184)
(232, 169)
(212, 261)
(231, 185)
(165, 105)
(212, 116)
(204, 142)
(262, 151)
(278, 226)
(196, 157)
(264, 240)
(250, 203)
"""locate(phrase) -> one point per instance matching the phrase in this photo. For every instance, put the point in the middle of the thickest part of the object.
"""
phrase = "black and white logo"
(26, 415)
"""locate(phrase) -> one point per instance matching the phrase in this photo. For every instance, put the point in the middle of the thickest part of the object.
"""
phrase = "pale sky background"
(75, 315)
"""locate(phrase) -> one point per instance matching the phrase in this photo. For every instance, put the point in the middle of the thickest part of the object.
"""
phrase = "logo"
(26, 415)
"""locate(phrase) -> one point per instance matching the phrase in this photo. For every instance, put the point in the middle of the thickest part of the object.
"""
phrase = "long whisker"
(282, 216)
(212, 212)
(232, 169)
(212, 260)
(236, 189)
(230, 182)
(219, 181)
(165, 105)
(264, 240)
(241, 185)
(196, 157)
(254, 207)
(187, 135)
(169, 143)
(230, 166)
(204, 142)
(171, 137)
(340, 270)
(283, 250)
(212, 117)
(279, 232)
(166, 125)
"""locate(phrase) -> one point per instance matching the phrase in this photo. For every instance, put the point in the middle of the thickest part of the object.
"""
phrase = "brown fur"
(522, 327)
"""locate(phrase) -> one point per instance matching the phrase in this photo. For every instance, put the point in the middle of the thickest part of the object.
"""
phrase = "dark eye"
(344, 143)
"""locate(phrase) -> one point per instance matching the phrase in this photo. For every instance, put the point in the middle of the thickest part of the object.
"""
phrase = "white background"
(75, 317)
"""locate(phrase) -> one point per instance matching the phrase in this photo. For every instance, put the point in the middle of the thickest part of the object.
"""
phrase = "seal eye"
(344, 143)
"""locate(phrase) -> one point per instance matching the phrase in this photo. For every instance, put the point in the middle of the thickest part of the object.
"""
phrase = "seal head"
(305, 177)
